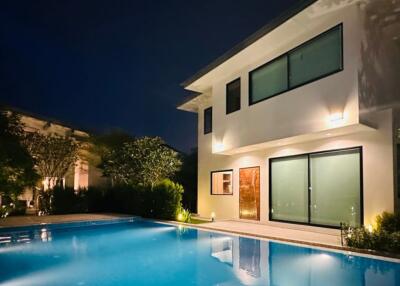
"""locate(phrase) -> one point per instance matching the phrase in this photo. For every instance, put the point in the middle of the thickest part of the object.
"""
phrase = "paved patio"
(31, 219)
(314, 236)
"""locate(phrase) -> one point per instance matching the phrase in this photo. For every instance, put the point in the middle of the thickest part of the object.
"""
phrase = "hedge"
(163, 201)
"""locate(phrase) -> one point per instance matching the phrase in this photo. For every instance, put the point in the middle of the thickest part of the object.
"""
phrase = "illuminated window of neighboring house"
(221, 182)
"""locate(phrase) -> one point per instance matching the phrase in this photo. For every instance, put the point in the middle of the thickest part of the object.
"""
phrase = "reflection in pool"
(256, 262)
(147, 253)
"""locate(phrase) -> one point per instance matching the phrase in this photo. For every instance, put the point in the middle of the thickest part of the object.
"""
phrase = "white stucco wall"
(377, 169)
(303, 110)
(359, 91)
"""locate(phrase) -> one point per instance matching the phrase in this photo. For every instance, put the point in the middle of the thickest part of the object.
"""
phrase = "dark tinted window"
(315, 59)
(319, 57)
(233, 96)
(208, 120)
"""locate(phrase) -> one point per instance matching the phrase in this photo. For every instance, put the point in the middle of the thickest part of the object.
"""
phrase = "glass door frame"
(309, 223)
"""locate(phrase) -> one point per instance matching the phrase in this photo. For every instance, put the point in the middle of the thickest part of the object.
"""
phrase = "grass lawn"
(198, 221)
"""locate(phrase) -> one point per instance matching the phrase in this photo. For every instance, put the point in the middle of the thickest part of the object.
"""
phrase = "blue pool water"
(147, 253)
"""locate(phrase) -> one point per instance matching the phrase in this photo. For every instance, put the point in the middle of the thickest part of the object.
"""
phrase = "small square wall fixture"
(218, 147)
(336, 119)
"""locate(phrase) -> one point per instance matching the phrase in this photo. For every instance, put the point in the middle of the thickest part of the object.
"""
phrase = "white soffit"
(325, 134)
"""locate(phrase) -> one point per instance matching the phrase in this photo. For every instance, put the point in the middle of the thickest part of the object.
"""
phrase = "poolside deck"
(314, 236)
(32, 219)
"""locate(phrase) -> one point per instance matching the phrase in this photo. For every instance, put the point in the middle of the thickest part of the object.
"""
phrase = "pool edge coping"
(337, 248)
(26, 227)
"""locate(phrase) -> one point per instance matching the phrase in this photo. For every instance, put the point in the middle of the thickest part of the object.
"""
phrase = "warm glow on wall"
(218, 147)
(212, 216)
(337, 119)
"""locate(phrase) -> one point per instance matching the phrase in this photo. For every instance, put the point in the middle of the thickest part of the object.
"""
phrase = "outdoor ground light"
(180, 216)
(212, 216)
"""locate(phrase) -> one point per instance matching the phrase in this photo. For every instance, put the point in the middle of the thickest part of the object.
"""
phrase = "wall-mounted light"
(218, 147)
(336, 117)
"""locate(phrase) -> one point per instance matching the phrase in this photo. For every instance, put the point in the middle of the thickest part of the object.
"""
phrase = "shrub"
(18, 208)
(385, 236)
(184, 216)
(66, 201)
(388, 222)
(5, 211)
(62, 201)
(44, 201)
(96, 201)
(165, 199)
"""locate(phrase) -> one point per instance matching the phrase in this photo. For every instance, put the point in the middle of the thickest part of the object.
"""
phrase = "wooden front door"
(249, 193)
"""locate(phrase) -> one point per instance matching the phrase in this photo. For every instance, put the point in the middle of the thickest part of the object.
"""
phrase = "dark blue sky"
(102, 64)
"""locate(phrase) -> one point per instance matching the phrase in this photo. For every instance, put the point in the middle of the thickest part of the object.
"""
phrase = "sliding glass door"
(335, 187)
(289, 184)
(318, 188)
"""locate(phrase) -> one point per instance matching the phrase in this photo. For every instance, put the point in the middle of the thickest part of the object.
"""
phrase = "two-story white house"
(298, 124)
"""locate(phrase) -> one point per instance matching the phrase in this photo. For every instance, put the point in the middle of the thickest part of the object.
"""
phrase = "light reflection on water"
(256, 262)
(145, 253)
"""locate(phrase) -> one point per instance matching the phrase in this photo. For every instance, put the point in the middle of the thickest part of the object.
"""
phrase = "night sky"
(100, 64)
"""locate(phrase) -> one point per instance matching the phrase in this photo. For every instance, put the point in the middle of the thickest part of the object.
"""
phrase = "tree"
(16, 165)
(143, 161)
(101, 145)
(53, 155)
(187, 176)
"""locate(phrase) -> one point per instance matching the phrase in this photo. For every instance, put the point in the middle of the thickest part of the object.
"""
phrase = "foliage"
(184, 216)
(53, 154)
(44, 202)
(16, 165)
(68, 201)
(384, 237)
(12, 207)
(388, 222)
(5, 211)
(187, 176)
(166, 198)
(163, 201)
(143, 161)
(101, 145)
(61, 200)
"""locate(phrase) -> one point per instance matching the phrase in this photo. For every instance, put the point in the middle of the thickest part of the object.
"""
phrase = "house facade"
(83, 174)
(298, 125)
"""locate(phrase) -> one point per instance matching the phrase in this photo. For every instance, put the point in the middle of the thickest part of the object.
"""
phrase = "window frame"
(208, 109)
(270, 160)
(211, 182)
(286, 54)
(226, 95)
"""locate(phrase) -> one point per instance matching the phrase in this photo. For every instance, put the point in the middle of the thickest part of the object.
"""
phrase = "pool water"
(147, 253)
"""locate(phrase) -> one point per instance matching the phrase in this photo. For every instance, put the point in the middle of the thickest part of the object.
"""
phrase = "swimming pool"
(139, 252)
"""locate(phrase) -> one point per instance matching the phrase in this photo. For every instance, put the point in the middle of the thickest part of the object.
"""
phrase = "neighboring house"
(84, 173)
(298, 124)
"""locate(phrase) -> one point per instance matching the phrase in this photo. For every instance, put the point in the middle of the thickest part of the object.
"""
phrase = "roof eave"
(282, 18)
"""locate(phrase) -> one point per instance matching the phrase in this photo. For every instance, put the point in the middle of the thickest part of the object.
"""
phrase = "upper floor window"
(208, 120)
(233, 96)
(317, 58)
